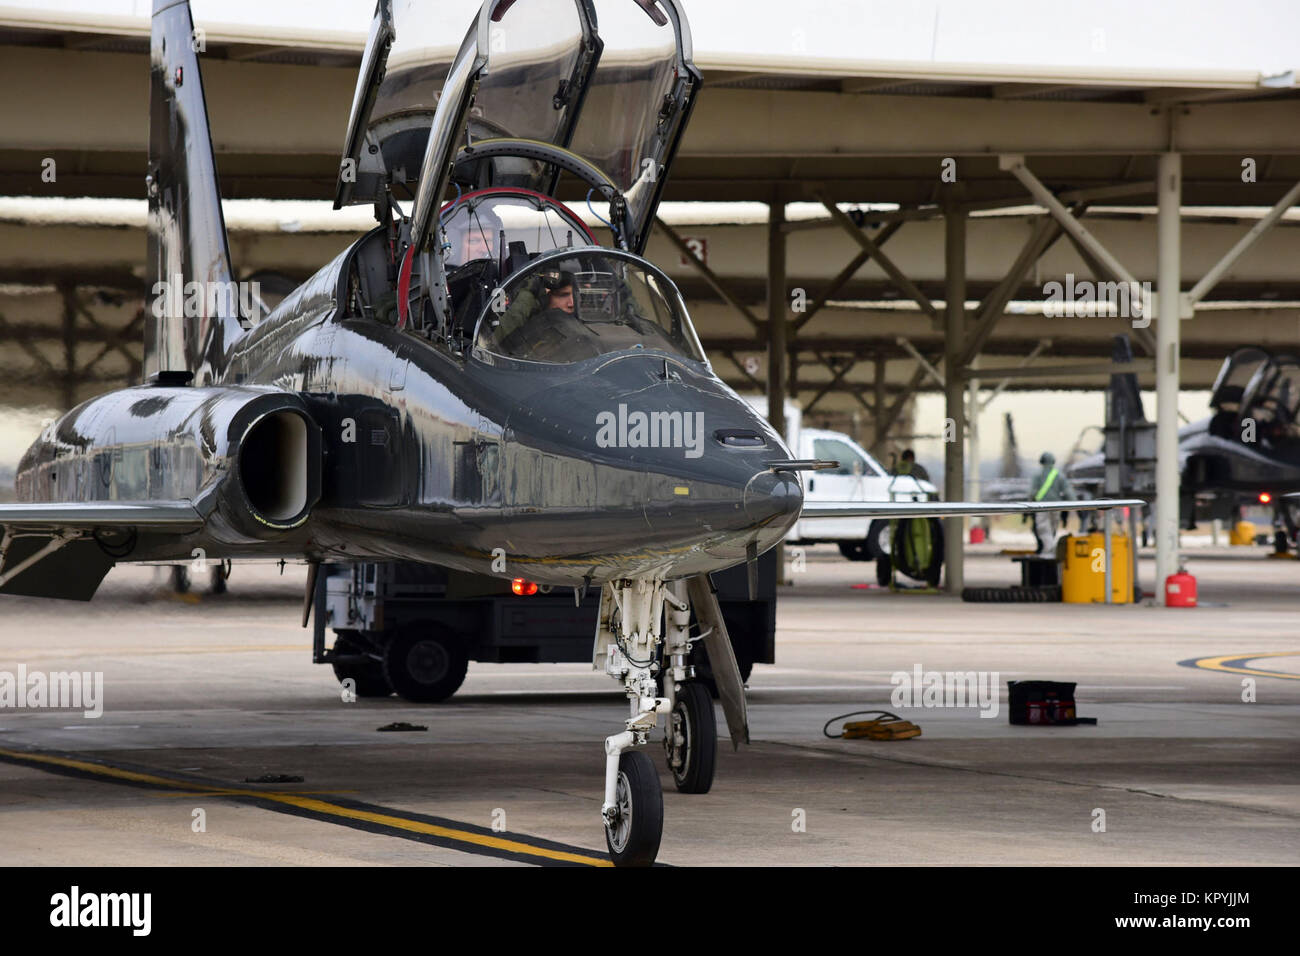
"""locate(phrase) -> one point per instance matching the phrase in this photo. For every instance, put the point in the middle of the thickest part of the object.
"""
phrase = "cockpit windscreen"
(568, 308)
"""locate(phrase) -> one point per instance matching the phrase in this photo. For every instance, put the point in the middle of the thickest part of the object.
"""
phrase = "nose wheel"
(691, 739)
(634, 824)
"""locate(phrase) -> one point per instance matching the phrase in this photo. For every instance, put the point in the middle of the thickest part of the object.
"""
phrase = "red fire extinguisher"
(1180, 589)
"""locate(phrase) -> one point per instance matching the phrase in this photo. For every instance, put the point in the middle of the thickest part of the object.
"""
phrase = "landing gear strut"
(632, 613)
(628, 637)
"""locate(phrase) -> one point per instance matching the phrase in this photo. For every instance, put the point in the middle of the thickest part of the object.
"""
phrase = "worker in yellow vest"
(1049, 485)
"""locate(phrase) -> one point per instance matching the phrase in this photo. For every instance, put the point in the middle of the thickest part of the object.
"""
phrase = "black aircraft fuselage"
(332, 435)
(1247, 447)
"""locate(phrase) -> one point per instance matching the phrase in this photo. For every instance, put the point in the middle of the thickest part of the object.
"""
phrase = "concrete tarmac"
(204, 693)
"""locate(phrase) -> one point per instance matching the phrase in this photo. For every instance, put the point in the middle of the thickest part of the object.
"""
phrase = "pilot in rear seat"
(472, 236)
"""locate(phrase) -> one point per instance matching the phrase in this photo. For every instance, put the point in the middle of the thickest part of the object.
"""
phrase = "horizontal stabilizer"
(52, 549)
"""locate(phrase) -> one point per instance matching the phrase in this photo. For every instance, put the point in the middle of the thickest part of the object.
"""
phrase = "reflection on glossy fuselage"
(473, 461)
(463, 460)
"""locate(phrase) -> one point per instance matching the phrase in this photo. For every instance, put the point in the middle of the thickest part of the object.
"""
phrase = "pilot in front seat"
(540, 323)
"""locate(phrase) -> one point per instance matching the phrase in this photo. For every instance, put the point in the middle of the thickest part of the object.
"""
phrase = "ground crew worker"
(910, 466)
(1049, 485)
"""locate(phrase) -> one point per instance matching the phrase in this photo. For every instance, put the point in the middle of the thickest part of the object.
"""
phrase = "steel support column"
(777, 358)
(878, 419)
(777, 347)
(1169, 190)
(973, 433)
(954, 248)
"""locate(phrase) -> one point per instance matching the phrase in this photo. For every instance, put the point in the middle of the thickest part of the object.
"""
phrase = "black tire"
(1043, 594)
(935, 571)
(180, 579)
(368, 677)
(218, 579)
(691, 739)
(425, 664)
(633, 840)
(878, 539)
(856, 550)
(884, 570)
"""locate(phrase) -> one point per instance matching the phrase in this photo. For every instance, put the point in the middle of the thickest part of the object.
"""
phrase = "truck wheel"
(878, 539)
(855, 550)
(424, 663)
(935, 570)
(884, 570)
(180, 579)
(691, 739)
(368, 675)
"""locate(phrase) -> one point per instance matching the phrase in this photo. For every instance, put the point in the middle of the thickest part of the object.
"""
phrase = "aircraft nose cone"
(773, 497)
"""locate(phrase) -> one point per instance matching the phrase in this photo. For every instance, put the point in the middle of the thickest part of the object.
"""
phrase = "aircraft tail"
(1010, 453)
(194, 303)
(1124, 397)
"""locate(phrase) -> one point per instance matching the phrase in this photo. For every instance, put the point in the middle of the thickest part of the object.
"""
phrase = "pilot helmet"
(475, 219)
(553, 279)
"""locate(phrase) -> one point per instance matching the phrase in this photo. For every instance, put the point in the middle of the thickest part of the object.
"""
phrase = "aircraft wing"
(55, 549)
(956, 509)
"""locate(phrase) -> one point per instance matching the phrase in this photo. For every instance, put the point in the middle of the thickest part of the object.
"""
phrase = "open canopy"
(595, 89)
(1237, 371)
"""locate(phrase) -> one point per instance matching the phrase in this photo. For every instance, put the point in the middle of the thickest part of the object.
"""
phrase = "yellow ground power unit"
(1083, 569)
(1242, 533)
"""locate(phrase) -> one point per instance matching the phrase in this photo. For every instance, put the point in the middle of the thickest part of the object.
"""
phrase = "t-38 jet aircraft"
(475, 383)
(1246, 452)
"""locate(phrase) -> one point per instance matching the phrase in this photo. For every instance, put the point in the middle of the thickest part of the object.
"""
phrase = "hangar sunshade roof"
(862, 99)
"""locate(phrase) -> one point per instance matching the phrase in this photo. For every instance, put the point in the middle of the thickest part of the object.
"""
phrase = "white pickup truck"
(859, 477)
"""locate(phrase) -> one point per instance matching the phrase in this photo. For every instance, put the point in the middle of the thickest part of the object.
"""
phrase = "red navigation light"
(523, 587)
(1265, 497)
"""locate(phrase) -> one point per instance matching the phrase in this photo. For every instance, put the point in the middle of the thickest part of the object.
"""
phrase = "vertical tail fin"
(194, 313)
(1124, 398)
(1010, 453)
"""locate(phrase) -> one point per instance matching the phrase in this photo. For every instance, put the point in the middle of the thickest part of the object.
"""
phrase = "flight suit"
(1049, 485)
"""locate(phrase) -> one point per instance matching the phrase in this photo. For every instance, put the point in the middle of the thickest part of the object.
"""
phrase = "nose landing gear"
(627, 636)
(627, 641)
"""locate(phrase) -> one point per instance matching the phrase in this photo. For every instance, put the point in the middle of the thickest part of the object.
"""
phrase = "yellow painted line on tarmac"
(320, 808)
(417, 826)
(226, 792)
(1236, 664)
